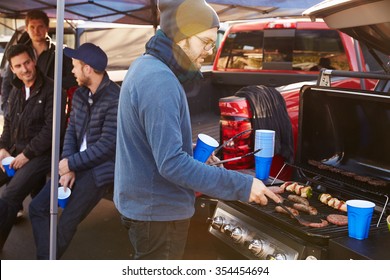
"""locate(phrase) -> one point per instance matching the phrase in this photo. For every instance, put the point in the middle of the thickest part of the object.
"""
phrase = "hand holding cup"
(6, 162)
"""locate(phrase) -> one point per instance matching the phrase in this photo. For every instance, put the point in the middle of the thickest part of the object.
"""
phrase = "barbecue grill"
(342, 150)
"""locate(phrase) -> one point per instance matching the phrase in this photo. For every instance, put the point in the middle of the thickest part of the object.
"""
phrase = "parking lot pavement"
(100, 237)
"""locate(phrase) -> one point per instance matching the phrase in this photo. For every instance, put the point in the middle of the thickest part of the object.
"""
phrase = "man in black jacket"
(36, 37)
(26, 134)
(88, 156)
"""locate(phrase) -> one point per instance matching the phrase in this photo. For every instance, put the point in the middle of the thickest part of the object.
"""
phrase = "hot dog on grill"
(298, 199)
(305, 208)
(323, 223)
(280, 209)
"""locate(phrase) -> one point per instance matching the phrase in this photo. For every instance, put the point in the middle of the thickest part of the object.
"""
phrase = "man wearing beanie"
(156, 175)
(88, 156)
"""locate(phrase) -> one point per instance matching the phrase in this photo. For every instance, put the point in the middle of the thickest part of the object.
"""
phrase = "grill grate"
(318, 236)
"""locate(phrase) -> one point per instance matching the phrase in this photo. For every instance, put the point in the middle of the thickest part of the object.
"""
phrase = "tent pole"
(56, 128)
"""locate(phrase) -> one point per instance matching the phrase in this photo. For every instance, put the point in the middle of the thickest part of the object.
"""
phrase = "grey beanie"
(180, 19)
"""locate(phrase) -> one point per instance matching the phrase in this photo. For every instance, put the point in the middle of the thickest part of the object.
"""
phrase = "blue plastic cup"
(6, 164)
(205, 145)
(265, 140)
(359, 218)
(263, 167)
(63, 196)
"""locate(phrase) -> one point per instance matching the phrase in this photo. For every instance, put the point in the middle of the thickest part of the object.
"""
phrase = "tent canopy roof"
(146, 12)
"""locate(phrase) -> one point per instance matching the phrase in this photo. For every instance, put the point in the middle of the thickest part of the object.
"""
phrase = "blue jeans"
(85, 195)
(157, 240)
(31, 176)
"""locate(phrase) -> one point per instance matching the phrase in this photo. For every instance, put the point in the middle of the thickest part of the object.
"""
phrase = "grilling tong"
(229, 141)
(235, 158)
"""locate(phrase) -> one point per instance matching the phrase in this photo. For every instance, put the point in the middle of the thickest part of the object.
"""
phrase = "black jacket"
(46, 63)
(95, 117)
(28, 123)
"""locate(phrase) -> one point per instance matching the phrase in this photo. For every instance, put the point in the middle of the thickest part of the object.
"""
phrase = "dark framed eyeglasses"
(208, 45)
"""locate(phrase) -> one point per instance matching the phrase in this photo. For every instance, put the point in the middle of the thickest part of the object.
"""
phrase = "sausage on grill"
(279, 209)
(298, 199)
(324, 223)
(305, 208)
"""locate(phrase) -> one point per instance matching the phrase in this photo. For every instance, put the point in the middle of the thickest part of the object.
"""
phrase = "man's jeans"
(31, 176)
(157, 240)
(85, 195)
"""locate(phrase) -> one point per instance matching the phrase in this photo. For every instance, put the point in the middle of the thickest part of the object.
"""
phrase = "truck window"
(278, 49)
(243, 50)
(315, 47)
(283, 49)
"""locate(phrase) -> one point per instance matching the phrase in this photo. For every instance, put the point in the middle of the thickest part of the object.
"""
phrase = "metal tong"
(235, 158)
(231, 139)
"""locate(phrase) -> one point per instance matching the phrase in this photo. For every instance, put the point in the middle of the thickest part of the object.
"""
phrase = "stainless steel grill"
(343, 151)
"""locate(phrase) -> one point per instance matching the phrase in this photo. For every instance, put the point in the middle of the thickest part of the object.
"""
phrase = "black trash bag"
(270, 112)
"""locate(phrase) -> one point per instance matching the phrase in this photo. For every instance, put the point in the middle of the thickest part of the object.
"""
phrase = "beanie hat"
(90, 54)
(180, 19)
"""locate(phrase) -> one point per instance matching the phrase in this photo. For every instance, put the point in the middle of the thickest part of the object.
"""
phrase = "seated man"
(88, 157)
(26, 134)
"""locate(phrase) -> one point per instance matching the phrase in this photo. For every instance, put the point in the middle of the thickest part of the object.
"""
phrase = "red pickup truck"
(274, 53)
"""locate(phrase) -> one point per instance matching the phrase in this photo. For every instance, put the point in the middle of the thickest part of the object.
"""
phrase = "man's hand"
(259, 193)
(67, 180)
(19, 161)
(63, 167)
(213, 159)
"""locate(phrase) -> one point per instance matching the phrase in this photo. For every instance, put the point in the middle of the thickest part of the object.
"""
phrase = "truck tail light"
(235, 118)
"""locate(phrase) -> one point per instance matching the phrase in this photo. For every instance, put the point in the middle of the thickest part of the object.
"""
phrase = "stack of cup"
(264, 140)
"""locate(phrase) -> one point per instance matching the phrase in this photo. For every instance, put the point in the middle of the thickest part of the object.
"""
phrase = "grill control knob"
(256, 247)
(217, 222)
(277, 257)
(227, 229)
(237, 234)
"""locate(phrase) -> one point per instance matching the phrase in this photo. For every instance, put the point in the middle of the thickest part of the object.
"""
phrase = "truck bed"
(207, 123)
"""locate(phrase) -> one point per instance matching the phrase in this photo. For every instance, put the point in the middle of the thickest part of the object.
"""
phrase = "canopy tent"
(145, 11)
(129, 12)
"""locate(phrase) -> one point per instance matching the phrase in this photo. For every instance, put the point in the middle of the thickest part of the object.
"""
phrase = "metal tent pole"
(56, 128)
